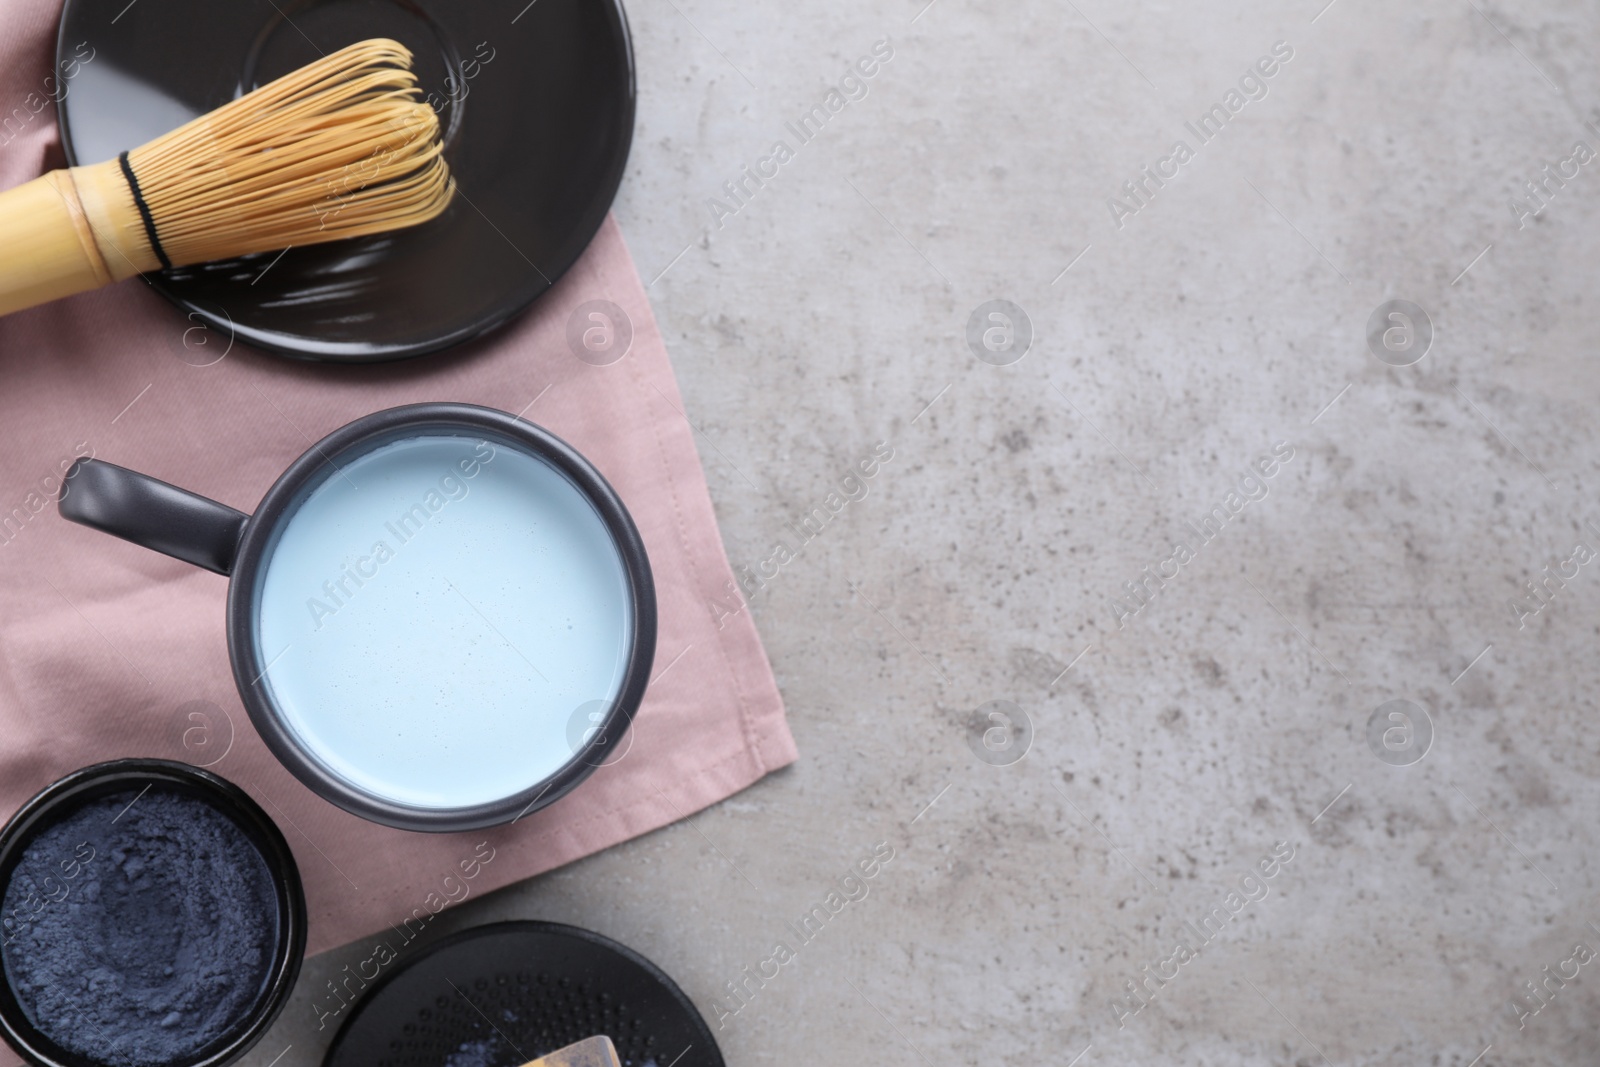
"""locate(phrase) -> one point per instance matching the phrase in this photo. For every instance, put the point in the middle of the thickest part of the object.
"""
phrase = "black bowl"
(537, 101)
(67, 796)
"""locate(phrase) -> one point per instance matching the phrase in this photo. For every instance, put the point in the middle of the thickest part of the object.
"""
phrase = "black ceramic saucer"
(504, 994)
(537, 99)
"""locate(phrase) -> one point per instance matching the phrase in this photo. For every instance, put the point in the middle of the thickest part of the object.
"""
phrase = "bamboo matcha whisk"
(341, 148)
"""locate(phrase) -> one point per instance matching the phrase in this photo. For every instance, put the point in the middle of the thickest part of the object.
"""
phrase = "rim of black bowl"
(539, 283)
(55, 802)
(373, 996)
(318, 464)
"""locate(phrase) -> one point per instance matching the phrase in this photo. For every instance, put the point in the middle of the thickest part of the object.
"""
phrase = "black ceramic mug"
(441, 617)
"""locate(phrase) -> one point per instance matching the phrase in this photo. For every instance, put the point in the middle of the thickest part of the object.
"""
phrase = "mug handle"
(149, 512)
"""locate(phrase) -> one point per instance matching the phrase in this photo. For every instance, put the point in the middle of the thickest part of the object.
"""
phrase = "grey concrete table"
(1197, 508)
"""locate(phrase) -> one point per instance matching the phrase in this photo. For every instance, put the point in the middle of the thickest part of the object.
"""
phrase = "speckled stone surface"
(1439, 860)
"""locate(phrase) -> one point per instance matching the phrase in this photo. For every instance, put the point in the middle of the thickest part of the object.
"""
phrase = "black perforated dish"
(504, 994)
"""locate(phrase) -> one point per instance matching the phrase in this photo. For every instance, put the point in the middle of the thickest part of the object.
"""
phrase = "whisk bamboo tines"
(341, 148)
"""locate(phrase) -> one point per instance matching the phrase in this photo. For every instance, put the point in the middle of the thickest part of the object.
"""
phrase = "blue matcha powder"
(136, 935)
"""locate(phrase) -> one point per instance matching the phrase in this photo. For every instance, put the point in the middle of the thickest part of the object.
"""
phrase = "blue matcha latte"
(139, 929)
(437, 615)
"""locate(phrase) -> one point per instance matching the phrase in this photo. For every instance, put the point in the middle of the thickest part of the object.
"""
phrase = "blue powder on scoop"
(136, 935)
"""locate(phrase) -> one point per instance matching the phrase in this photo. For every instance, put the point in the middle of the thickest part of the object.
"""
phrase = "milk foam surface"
(433, 615)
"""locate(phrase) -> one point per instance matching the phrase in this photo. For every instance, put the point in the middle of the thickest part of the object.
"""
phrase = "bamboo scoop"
(340, 148)
(590, 1052)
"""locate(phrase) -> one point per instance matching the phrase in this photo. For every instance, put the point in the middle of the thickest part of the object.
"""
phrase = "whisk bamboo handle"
(68, 232)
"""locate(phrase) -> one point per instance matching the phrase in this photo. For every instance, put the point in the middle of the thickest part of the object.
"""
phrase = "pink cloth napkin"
(108, 650)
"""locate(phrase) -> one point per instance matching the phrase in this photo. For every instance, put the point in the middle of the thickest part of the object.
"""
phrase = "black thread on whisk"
(144, 213)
